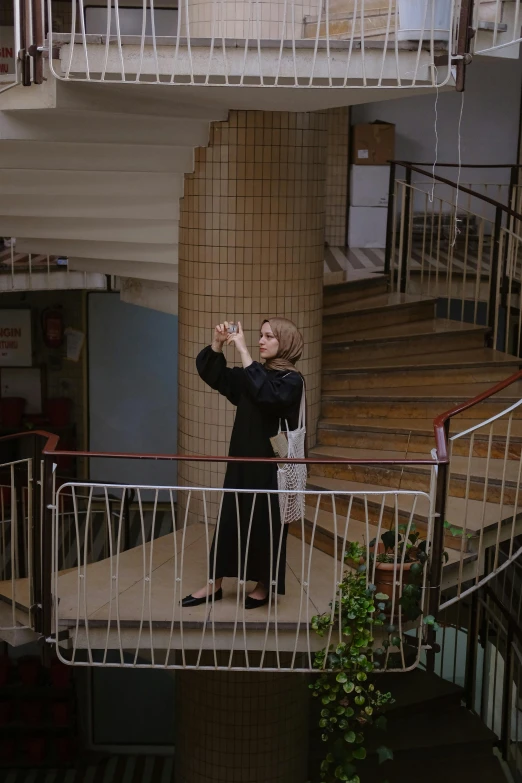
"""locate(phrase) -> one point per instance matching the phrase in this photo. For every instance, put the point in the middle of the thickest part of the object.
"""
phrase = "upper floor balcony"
(353, 45)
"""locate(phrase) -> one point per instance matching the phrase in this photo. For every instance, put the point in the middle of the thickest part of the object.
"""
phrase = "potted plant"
(350, 703)
(399, 560)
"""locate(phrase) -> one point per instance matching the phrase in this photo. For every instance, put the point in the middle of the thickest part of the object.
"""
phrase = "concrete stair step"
(419, 690)
(429, 337)
(503, 477)
(354, 290)
(391, 309)
(377, 303)
(407, 373)
(455, 726)
(476, 358)
(407, 436)
(463, 764)
(447, 391)
(365, 405)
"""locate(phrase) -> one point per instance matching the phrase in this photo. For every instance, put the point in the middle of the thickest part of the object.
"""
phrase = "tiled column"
(241, 727)
(251, 246)
(338, 128)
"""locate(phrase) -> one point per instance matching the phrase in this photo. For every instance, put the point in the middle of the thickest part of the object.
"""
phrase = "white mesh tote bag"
(291, 478)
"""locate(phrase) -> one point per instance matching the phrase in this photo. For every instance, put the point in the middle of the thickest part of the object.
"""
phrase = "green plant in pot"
(406, 552)
(350, 702)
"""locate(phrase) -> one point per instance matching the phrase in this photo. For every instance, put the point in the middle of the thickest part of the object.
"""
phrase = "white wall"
(489, 122)
(489, 129)
(132, 389)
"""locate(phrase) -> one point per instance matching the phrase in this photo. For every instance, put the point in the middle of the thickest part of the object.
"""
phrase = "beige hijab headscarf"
(290, 344)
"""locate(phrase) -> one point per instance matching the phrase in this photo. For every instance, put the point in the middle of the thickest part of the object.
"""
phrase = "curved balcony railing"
(318, 43)
(104, 565)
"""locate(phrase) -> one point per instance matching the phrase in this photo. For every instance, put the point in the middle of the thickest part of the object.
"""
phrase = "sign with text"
(7, 54)
(15, 338)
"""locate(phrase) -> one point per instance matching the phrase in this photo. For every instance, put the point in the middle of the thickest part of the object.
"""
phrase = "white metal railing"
(463, 249)
(298, 43)
(486, 475)
(497, 24)
(16, 545)
(124, 595)
(21, 271)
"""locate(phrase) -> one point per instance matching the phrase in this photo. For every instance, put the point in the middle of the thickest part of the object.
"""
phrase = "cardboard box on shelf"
(367, 227)
(369, 186)
(373, 143)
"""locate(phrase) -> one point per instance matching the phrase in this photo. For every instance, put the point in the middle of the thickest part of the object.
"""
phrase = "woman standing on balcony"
(264, 395)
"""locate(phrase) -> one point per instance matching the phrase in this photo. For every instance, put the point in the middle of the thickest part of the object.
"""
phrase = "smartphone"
(232, 328)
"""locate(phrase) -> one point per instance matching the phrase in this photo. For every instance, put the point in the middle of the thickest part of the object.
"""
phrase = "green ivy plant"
(350, 702)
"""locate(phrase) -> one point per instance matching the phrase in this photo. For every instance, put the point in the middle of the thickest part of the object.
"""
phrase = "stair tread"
(456, 726)
(457, 508)
(360, 531)
(420, 426)
(397, 331)
(459, 464)
(446, 391)
(479, 766)
(416, 687)
(371, 303)
(474, 358)
(357, 281)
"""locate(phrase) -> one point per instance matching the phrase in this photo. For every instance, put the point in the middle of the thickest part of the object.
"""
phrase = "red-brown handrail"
(441, 442)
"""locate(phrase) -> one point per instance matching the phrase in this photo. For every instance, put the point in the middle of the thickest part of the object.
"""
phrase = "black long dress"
(262, 397)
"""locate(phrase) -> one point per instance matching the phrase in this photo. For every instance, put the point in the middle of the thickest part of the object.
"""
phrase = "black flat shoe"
(255, 603)
(189, 600)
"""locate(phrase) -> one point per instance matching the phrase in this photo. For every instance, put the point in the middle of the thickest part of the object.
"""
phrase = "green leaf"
(396, 641)
(429, 620)
(341, 677)
(359, 753)
(349, 736)
(416, 569)
(384, 754)
(348, 687)
(381, 597)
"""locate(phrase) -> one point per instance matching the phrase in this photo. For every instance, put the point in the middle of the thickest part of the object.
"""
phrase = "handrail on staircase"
(500, 268)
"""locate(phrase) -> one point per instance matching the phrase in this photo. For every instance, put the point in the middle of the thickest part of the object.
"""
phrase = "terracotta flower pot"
(387, 576)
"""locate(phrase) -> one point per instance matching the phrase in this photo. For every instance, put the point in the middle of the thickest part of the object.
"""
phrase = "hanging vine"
(350, 702)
